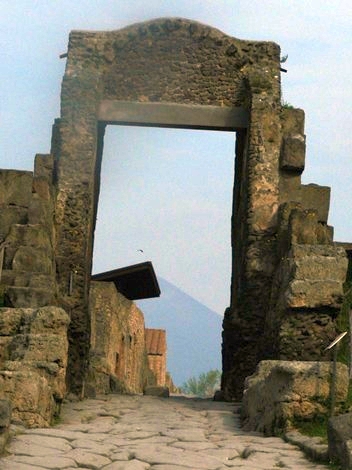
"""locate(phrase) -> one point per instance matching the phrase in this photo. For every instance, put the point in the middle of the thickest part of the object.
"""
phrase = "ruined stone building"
(287, 273)
(156, 350)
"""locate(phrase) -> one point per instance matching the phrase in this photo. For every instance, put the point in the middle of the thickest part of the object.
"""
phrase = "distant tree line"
(204, 386)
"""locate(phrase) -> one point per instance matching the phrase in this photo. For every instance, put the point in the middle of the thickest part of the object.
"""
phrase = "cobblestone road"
(140, 432)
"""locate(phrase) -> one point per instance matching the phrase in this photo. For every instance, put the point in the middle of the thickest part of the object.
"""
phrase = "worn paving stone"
(186, 458)
(195, 446)
(141, 433)
(121, 455)
(167, 467)
(48, 462)
(83, 457)
(28, 440)
(55, 432)
(25, 448)
(10, 464)
(130, 465)
(93, 446)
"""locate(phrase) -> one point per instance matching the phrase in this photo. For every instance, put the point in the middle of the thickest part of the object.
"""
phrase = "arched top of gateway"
(173, 60)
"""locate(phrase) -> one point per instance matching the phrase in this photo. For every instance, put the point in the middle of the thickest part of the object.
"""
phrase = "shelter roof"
(135, 282)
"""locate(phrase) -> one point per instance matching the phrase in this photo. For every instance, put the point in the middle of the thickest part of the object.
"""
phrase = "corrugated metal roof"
(155, 341)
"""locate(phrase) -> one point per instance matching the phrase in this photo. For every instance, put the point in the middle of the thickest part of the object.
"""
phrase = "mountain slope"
(193, 331)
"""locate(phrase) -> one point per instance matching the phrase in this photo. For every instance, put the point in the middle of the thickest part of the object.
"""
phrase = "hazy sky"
(168, 192)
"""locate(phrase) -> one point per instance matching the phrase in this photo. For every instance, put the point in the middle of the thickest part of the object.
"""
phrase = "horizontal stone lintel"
(173, 115)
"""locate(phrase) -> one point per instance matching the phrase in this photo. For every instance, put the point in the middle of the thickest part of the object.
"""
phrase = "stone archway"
(179, 73)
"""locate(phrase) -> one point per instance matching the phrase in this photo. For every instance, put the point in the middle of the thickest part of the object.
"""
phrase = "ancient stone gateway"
(287, 274)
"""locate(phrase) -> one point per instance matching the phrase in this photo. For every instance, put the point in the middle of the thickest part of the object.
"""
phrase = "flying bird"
(141, 250)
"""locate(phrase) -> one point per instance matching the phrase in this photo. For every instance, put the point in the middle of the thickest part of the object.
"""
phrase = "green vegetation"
(313, 428)
(204, 386)
(286, 105)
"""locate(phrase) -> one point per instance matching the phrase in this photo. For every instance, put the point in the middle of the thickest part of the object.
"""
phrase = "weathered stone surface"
(157, 391)
(47, 461)
(5, 419)
(206, 435)
(340, 440)
(87, 459)
(157, 350)
(29, 235)
(33, 362)
(32, 259)
(313, 196)
(5, 414)
(313, 276)
(304, 335)
(186, 65)
(314, 447)
(30, 395)
(12, 215)
(293, 153)
(32, 297)
(118, 360)
(15, 187)
(281, 391)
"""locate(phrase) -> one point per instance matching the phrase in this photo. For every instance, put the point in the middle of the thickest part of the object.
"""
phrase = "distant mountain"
(193, 331)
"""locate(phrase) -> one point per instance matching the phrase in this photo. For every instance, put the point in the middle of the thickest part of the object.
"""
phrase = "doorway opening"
(166, 197)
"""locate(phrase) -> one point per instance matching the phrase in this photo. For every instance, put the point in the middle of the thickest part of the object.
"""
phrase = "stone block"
(34, 235)
(157, 391)
(281, 391)
(12, 215)
(340, 440)
(5, 420)
(293, 153)
(15, 187)
(41, 212)
(289, 184)
(314, 196)
(41, 188)
(304, 335)
(312, 276)
(292, 121)
(32, 259)
(43, 166)
(5, 414)
(28, 297)
(31, 236)
(31, 397)
(27, 279)
(34, 360)
(302, 226)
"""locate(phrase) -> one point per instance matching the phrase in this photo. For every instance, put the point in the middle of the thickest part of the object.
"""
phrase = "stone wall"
(156, 351)
(280, 393)
(33, 361)
(307, 290)
(118, 359)
(283, 250)
(183, 62)
(26, 229)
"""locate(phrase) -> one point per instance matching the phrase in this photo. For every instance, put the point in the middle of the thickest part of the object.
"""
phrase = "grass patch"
(316, 427)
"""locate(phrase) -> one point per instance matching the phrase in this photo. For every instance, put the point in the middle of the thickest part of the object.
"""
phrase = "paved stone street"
(142, 432)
